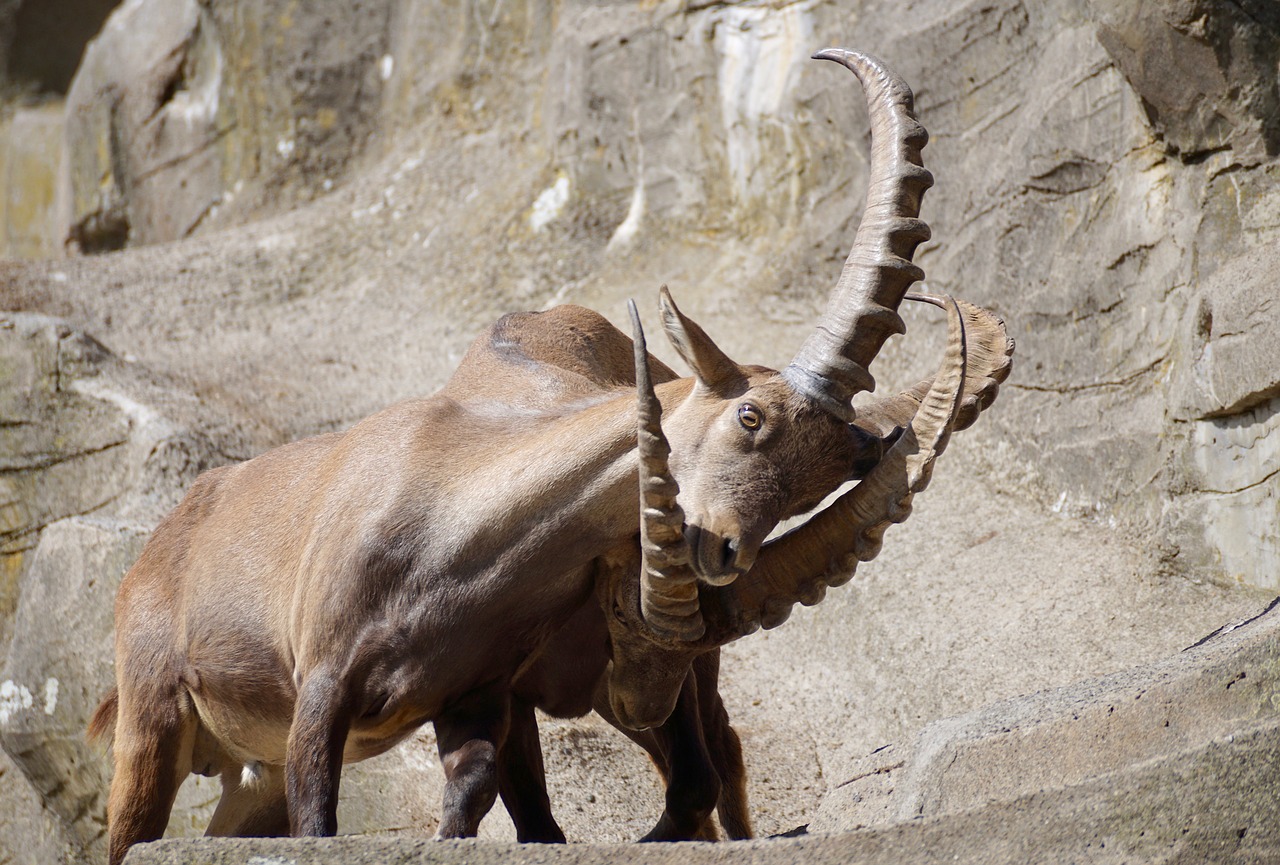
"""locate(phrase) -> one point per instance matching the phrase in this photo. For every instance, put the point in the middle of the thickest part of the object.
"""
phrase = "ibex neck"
(596, 476)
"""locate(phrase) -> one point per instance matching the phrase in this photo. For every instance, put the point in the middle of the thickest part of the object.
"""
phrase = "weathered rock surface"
(82, 432)
(55, 676)
(1206, 72)
(31, 833)
(41, 43)
(177, 106)
(33, 194)
(49, 433)
(1115, 731)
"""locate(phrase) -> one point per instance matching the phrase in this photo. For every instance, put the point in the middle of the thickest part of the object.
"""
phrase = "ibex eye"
(750, 416)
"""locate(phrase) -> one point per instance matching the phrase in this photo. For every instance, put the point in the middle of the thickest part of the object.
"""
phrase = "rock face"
(1164, 718)
(1206, 72)
(55, 677)
(315, 209)
(41, 42)
(50, 433)
(177, 106)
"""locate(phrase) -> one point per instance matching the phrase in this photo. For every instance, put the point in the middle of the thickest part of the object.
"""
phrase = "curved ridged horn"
(862, 312)
(668, 584)
(988, 364)
(799, 566)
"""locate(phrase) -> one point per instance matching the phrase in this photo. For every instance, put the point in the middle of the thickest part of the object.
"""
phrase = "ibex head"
(750, 446)
(748, 450)
(659, 624)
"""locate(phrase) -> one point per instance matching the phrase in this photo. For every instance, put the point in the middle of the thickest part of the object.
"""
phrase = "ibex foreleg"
(679, 752)
(522, 779)
(693, 785)
(725, 749)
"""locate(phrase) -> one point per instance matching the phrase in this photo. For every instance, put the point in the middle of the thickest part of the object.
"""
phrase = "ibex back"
(315, 605)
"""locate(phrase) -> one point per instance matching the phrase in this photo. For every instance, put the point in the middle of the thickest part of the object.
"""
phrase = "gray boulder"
(181, 110)
(59, 666)
(62, 451)
(1209, 705)
(1206, 71)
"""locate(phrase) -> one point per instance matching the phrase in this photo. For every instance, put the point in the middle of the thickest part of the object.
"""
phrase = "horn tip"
(839, 55)
(933, 299)
(637, 332)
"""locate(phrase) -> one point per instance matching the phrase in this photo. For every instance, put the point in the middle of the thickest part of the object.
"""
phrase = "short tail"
(103, 723)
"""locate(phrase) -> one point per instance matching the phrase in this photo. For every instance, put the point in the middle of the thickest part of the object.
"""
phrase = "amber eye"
(749, 416)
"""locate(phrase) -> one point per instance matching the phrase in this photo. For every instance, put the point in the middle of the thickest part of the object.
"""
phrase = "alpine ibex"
(696, 749)
(316, 604)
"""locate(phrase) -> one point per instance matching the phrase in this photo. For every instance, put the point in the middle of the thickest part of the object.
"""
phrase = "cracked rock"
(1205, 70)
(60, 451)
(182, 109)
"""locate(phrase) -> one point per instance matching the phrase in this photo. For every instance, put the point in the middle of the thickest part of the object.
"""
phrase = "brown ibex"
(315, 605)
(696, 749)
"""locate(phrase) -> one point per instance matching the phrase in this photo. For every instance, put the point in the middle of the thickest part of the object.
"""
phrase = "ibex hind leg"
(468, 735)
(253, 804)
(679, 753)
(154, 737)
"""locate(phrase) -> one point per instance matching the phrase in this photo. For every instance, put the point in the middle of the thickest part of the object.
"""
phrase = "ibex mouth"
(716, 559)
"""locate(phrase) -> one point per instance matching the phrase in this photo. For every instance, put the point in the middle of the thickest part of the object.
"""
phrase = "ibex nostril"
(728, 553)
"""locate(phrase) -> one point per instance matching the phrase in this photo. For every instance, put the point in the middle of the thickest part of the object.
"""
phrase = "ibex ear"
(715, 369)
